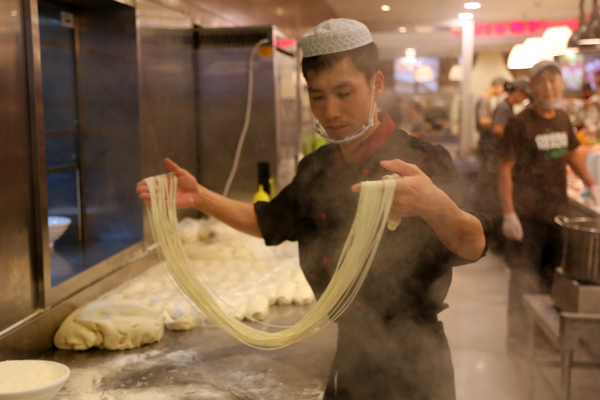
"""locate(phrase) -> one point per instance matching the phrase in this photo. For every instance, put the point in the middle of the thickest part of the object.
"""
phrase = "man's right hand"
(187, 187)
(511, 227)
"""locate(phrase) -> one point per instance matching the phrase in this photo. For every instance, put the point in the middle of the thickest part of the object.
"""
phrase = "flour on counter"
(20, 375)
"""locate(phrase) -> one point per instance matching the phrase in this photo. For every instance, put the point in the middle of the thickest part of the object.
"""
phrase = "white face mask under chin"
(323, 133)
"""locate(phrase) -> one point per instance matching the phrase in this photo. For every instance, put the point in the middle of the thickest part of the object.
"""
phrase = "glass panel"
(58, 72)
(66, 258)
(61, 151)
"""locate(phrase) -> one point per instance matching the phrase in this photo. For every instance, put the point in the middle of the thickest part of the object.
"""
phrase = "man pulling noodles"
(391, 344)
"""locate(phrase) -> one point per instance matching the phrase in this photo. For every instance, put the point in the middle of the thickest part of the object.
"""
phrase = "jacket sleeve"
(278, 219)
(441, 169)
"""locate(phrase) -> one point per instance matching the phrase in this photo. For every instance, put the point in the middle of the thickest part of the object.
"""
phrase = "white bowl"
(56, 228)
(45, 392)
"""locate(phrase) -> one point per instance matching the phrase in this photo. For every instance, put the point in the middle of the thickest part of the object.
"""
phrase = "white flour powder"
(22, 375)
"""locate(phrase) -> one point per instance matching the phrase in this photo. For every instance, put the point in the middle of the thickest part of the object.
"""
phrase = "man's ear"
(379, 80)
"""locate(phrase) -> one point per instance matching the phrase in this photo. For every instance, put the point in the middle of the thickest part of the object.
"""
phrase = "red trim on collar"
(372, 143)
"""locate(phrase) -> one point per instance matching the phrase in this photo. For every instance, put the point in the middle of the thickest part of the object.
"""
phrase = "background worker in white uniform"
(391, 345)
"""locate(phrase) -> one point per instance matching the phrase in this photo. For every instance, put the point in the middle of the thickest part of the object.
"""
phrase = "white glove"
(511, 227)
(595, 194)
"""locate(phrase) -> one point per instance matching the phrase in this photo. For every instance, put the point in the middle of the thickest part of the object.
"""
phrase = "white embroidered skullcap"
(334, 36)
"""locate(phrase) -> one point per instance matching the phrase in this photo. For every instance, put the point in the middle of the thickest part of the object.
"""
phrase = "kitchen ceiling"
(442, 15)
(298, 16)
(436, 12)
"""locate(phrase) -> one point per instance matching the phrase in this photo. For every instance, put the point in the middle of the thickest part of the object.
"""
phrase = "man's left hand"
(416, 194)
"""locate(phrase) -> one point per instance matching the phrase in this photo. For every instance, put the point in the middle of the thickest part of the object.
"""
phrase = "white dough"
(272, 295)
(299, 276)
(240, 311)
(112, 324)
(285, 293)
(304, 294)
(258, 308)
(183, 322)
(189, 230)
(236, 309)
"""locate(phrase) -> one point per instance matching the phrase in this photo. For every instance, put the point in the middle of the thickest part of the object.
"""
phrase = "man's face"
(520, 96)
(341, 98)
(547, 88)
(498, 89)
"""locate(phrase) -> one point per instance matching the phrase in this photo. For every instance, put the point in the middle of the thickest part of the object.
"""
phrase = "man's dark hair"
(364, 58)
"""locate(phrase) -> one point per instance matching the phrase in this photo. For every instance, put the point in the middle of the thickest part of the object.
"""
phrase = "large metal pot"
(581, 254)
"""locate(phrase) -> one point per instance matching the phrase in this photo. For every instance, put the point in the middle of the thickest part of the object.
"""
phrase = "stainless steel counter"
(204, 363)
(568, 332)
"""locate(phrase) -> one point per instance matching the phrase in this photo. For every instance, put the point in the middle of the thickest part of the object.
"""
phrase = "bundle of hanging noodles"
(355, 261)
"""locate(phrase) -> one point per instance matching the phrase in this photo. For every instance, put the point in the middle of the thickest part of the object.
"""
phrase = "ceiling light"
(555, 40)
(402, 29)
(385, 7)
(424, 29)
(465, 16)
(525, 55)
(518, 59)
(571, 51)
(410, 52)
(424, 73)
(533, 48)
(472, 6)
(456, 73)
(589, 42)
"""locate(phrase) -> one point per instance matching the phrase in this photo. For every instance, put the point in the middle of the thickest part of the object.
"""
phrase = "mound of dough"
(109, 324)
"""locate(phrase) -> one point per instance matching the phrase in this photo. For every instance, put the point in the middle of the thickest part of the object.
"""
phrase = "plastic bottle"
(261, 195)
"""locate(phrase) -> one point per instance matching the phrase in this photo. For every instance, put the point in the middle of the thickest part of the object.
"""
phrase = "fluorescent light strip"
(586, 42)
(472, 6)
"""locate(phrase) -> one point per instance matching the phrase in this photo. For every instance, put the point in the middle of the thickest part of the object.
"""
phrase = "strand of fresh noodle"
(355, 261)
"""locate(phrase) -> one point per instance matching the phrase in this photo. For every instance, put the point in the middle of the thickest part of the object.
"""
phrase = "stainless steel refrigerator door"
(17, 225)
(167, 91)
(222, 90)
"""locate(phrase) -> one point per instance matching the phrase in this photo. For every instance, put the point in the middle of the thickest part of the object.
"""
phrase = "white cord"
(238, 151)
